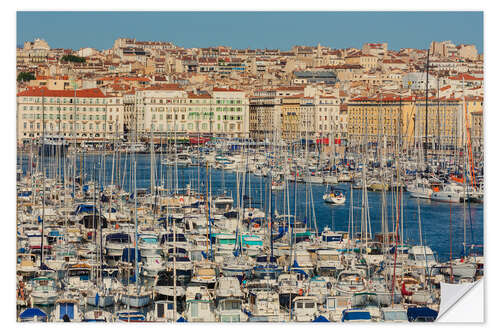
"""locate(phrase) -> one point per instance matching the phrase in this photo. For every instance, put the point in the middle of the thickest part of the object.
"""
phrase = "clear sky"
(252, 29)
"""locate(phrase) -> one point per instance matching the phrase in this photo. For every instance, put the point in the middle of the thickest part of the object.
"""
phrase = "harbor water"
(436, 217)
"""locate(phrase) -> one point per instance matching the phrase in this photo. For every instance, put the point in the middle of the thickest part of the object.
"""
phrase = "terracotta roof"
(204, 96)
(465, 77)
(164, 86)
(395, 98)
(225, 89)
(43, 91)
(48, 77)
(297, 88)
(393, 61)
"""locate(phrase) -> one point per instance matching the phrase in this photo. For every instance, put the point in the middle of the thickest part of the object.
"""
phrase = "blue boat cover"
(170, 238)
(178, 250)
(355, 315)
(44, 267)
(300, 271)
(82, 208)
(281, 232)
(66, 308)
(32, 312)
(124, 238)
(128, 254)
(181, 320)
(424, 312)
(320, 319)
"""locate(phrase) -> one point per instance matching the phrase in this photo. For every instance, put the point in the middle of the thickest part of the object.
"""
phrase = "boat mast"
(426, 106)
(42, 166)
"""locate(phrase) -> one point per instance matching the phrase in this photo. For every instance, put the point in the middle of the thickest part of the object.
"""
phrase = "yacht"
(116, 243)
(305, 309)
(420, 189)
(149, 245)
(450, 193)
(43, 291)
(350, 282)
(230, 310)
(335, 197)
(228, 287)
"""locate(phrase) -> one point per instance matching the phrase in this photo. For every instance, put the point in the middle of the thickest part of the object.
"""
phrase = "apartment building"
(84, 114)
(327, 117)
(291, 117)
(372, 118)
(264, 115)
(169, 109)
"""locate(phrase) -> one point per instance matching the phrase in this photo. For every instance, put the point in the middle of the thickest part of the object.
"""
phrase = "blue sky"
(252, 29)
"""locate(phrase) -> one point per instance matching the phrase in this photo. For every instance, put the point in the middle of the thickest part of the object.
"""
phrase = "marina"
(238, 235)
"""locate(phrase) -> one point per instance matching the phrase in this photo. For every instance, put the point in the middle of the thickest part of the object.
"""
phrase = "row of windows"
(191, 101)
(69, 126)
(64, 117)
(57, 108)
(70, 100)
(90, 135)
(191, 126)
(193, 116)
(175, 109)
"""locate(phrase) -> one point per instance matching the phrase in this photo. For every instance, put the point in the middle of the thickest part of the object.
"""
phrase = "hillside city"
(158, 89)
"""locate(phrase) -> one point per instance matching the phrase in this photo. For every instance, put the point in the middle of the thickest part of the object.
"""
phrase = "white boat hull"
(44, 298)
(104, 300)
(333, 199)
(136, 301)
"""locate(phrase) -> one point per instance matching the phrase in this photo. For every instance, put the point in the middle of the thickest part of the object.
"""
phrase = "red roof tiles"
(36, 91)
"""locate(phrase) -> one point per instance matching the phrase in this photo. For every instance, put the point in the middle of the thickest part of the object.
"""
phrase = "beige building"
(291, 117)
(52, 82)
(371, 119)
(84, 114)
(376, 49)
(169, 109)
(327, 117)
(367, 61)
(467, 51)
(265, 116)
(444, 49)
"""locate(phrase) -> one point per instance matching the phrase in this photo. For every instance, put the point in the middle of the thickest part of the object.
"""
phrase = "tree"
(72, 58)
(25, 76)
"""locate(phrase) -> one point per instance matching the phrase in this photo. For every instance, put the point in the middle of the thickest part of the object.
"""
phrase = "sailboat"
(135, 295)
(334, 196)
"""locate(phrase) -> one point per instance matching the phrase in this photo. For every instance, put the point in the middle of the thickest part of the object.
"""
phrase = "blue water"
(435, 216)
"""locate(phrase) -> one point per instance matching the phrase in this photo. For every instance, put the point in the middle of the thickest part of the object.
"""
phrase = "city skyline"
(280, 30)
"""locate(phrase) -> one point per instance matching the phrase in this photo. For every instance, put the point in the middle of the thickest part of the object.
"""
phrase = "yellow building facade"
(372, 119)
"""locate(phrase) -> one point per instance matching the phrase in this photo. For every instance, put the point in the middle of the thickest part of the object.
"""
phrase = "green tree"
(72, 58)
(25, 76)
